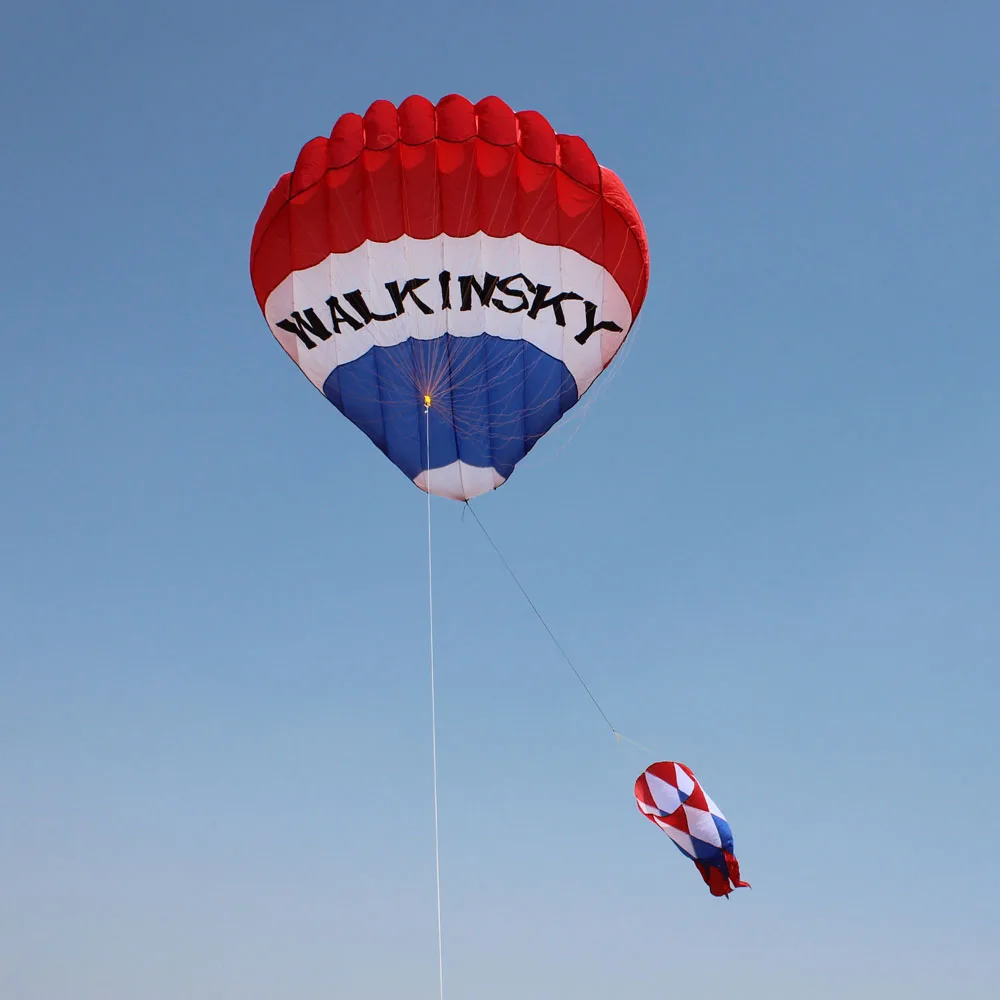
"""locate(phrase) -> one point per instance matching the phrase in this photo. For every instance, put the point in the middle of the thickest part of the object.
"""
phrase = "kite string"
(576, 673)
(430, 608)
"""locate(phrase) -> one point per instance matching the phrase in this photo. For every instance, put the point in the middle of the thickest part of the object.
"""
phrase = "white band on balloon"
(371, 266)
(459, 481)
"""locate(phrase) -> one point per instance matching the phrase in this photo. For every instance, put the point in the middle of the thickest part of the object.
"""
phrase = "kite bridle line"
(534, 607)
(430, 609)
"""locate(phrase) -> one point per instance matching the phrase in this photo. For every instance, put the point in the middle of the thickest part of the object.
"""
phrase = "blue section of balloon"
(491, 400)
(704, 851)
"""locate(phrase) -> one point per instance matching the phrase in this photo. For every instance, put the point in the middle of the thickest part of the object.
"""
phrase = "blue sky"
(769, 541)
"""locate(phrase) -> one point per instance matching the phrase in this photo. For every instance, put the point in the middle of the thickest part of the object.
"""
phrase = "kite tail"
(733, 870)
(718, 878)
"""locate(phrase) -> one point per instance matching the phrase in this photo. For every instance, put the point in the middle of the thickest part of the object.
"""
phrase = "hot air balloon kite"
(452, 277)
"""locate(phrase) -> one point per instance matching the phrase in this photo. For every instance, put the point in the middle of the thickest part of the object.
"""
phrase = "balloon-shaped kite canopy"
(452, 278)
(671, 796)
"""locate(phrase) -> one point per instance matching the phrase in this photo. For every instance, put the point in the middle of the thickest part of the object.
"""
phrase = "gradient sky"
(769, 541)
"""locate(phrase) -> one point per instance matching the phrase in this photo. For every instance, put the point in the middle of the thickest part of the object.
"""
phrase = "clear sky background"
(769, 541)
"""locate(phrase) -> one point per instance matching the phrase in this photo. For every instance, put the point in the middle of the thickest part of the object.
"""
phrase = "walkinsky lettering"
(513, 294)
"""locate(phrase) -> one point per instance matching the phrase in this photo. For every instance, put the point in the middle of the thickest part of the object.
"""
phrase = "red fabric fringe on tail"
(717, 880)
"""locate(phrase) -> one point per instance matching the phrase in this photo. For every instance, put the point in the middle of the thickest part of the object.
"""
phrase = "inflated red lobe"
(456, 169)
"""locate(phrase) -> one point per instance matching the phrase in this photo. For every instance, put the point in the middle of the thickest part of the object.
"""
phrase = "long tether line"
(545, 625)
(430, 608)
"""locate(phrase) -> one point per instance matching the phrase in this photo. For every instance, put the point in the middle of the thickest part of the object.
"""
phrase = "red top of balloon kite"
(491, 169)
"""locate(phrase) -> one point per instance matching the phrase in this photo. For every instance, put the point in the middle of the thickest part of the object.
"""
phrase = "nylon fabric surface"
(463, 224)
